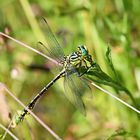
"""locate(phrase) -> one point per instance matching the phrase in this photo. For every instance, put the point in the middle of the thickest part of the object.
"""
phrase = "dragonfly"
(70, 71)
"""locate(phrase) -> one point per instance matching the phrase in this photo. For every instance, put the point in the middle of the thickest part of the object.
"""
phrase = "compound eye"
(84, 47)
(83, 50)
(81, 47)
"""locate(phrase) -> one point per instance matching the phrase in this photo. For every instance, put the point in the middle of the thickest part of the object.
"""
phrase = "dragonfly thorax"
(78, 59)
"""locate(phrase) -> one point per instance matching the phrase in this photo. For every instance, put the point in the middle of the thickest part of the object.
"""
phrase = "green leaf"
(0, 136)
(96, 75)
(110, 63)
(124, 134)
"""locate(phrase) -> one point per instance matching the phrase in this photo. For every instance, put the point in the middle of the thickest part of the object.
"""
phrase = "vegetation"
(96, 24)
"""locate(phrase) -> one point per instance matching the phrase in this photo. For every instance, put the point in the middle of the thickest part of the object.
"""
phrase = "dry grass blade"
(29, 47)
(118, 99)
(36, 118)
(9, 132)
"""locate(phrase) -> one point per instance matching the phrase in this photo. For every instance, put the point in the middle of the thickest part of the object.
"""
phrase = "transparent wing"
(74, 89)
(85, 88)
(53, 48)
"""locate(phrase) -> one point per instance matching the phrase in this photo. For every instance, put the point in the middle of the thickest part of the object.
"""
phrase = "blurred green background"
(94, 23)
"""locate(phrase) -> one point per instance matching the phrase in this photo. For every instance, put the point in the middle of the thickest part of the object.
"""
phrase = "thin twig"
(9, 132)
(29, 47)
(118, 99)
(4, 135)
(36, 118)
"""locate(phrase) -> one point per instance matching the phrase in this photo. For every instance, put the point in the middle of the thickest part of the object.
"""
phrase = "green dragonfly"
(71, 71)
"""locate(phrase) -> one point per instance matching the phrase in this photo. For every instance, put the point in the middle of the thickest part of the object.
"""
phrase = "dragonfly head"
(84, 52)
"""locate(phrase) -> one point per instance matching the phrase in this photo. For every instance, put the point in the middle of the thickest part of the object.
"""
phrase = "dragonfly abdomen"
(34, 100)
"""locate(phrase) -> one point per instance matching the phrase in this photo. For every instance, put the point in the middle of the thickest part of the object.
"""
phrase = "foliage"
(97, 75)
(124, 134)
(93, 23)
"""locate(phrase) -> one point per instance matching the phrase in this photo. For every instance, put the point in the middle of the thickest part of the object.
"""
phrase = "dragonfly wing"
(73, 92)
(53, 48)
(83, 83)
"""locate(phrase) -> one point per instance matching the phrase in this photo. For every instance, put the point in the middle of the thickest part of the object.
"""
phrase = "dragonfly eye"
(83, 50)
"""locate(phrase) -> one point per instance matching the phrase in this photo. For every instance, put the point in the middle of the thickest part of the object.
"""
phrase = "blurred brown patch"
(4, 109)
